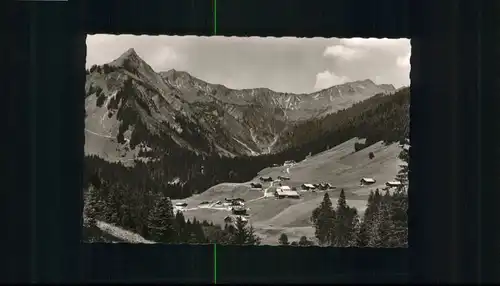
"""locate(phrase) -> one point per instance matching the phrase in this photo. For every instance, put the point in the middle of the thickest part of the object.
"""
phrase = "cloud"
(403, 61)
(358, 48)
(387, 60)
(343, 52)
(164, 56)
(375, 43)
(327, 79)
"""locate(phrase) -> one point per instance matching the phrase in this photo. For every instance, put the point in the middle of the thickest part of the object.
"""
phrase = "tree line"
(384, 223)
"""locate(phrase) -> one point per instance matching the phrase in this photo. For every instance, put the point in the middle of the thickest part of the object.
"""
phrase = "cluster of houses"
(270, 179)
(235, 201)
(371, 181)
(237, 205)
(320, 186)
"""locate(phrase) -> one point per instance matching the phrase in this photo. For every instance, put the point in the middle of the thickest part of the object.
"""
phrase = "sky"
(296, 65)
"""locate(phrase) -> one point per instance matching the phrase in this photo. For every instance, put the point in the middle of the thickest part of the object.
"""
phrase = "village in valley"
(275, 189)
(281, 199)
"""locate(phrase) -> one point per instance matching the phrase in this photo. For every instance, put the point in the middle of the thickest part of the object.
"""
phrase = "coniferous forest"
(138, 198)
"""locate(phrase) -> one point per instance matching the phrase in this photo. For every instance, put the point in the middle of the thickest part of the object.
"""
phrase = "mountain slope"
(341, 166)
(135, 113)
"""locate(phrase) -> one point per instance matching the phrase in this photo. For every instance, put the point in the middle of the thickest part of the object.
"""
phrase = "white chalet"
(286, 192)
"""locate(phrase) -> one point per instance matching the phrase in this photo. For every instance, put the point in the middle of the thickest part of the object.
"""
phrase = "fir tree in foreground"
(244, 235)
(180, 222)
(384, 224)
(399, 206)
(381, 226)
(303, 241)
(323, 219)
(91, 207)
(161, 221)
(283, 240)
(344, 223)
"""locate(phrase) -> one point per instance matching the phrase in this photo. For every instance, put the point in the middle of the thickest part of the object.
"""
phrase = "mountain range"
(134, 112)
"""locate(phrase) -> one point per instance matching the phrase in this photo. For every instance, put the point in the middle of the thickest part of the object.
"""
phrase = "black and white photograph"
(247, 141)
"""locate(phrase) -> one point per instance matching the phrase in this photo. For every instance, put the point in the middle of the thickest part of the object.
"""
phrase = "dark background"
(453, 235)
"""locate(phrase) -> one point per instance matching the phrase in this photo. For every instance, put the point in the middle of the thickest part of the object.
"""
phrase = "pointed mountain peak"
(129, 57)
(130, 53)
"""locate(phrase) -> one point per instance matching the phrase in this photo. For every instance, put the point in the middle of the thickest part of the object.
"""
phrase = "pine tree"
(323, 218)
(106, 68)
(373, 206)
(240, 234)
(243, 235)
(303, 241)
(377, 198)
(197, 232)
(126, 218)
(381, 227)
(387, 198)
(364, 234)
(371, 155)
(180, 223)
(252, 239)
(399, 204)
(369, 207)
(91, 206)
(399, 218)
(356, 238)
(343, 223)
(188, 232)
(161, 221)
(112, 205)
(404, 155)
(403, 172)
(283, 240)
